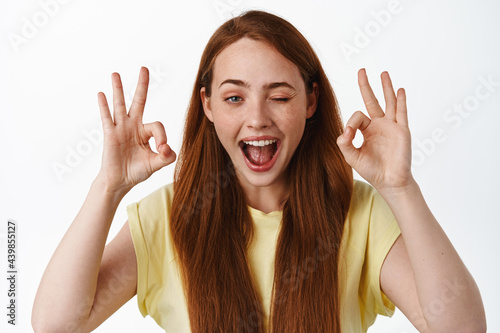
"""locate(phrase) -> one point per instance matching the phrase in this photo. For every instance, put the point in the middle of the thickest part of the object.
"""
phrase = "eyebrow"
(266, 86)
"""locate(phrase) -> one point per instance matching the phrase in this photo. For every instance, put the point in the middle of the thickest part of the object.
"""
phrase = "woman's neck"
(266, 198)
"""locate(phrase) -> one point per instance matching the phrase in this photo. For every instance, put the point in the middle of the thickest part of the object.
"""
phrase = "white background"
(55, 58)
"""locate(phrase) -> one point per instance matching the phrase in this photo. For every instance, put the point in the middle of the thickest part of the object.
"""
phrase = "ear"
(312, 101)
(205, 102)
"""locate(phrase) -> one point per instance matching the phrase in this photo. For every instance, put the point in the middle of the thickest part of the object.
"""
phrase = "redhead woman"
(264, 228)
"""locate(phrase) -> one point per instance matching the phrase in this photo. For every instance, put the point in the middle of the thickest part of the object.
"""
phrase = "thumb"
(346, 147)
(164, 157)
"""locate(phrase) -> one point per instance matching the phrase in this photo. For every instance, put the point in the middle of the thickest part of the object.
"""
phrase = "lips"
(260, 153)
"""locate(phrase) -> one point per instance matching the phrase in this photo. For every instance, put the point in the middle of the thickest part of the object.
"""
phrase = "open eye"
(233, 99)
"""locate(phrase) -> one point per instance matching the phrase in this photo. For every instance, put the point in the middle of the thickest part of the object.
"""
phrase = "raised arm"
(422, 275)
(85, 280)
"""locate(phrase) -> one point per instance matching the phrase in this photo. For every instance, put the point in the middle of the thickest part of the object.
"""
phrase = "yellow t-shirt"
(370, 231)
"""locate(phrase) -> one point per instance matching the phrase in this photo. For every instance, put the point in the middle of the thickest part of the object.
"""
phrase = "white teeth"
(260, 143)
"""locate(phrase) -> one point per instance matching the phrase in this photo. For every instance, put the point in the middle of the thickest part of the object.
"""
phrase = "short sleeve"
(141, 254)
(381, 233)
(148, 220)
(384, 231)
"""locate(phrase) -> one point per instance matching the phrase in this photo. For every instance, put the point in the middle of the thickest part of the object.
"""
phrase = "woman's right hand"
(127, 157)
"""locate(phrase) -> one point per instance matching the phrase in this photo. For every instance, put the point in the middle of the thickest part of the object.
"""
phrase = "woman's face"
(259, 107)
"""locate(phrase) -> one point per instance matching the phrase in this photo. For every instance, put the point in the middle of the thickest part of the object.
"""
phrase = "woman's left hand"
(384, 158)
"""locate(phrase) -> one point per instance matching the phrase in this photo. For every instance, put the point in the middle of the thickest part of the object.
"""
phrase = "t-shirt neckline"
(259, 213)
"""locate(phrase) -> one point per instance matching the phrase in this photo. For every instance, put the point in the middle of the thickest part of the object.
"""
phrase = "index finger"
(371, 102)
(139, 101)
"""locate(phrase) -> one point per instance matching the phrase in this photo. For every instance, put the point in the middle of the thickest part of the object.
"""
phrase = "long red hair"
(212, 227)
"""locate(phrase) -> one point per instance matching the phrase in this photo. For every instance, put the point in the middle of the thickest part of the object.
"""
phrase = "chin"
(258, 180)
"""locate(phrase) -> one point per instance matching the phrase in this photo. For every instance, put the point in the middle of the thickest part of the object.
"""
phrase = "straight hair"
(210, 222)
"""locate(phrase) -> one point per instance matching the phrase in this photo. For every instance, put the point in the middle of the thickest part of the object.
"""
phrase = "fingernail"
(166, 149)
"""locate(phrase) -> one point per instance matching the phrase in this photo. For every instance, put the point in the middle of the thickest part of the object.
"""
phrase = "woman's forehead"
(255, 63)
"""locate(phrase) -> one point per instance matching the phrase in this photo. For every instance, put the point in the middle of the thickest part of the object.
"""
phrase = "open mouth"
(260, 153)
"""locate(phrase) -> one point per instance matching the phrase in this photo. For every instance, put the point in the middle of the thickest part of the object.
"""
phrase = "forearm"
(448, 296)
(68, 285)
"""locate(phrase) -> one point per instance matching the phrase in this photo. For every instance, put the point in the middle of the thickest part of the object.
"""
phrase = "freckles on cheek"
(224, 128)
(294, 117)
(222, 122)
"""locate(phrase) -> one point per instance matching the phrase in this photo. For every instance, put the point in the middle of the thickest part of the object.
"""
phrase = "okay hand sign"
(384, 158)
(127, 157)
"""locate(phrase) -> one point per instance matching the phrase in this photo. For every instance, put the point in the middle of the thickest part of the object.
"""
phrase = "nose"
(258, 116)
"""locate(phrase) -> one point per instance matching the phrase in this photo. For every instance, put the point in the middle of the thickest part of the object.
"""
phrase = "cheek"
(226, 129)
(294, 120)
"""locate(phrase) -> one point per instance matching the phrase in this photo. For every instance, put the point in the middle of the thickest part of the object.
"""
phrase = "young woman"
(264, 228)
